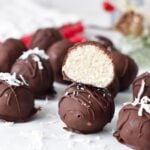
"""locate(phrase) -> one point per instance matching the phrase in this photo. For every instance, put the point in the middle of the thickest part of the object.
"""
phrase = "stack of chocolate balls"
(134, 118)
(98, 72)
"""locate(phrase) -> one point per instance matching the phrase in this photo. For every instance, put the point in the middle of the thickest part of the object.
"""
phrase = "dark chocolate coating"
(126, 69)
(106, 43)
(133, 130)
(10, 50)
(40, 81)
(57, 53)
(16, 103)
(137, 84)
(86, 109)
(44, 38)
(114, 87)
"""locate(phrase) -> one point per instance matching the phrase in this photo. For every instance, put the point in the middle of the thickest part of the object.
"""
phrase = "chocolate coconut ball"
(126, 69)
(10, 50)
(86, 109)
(130, 23)
(57, 52)
(90, 64)
(16, 100)
(141, 84)
(35, 68)
(44, 38)
(132, 129)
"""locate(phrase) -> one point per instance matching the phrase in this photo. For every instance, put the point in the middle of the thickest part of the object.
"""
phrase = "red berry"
(26, 39)
(77, 38)
(78, 27)
(67, 32)
(107, 6)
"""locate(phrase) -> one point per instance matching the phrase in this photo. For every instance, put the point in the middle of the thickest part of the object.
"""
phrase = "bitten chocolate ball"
(89, 63)
(44, 38)
(143, 82)
(86, 109)
(57, 52)
(126, 69)
(34, 66)
(133, 130)
(16, 100)
(10, 50)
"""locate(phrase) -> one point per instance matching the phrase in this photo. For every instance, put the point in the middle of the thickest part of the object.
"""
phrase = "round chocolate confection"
(133, 130)
(89, 63)
(137, 84)
(57, 53)
(16, 100)
(44, 38)
(86, 109)
(35, 68)
(130, 23)
(10, 50)
(126, 69)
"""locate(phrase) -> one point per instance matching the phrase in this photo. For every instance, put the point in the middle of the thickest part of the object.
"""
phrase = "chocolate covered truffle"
(44, 38)
(16, 100)
(130, 23)
(34, 66)
(89, 63)
(57, 53)
(126, 69)
(86, 109)
(133, 125)
(141, 82)
(10, 50)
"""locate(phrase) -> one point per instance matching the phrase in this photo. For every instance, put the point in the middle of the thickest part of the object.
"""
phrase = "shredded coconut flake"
(11, 79)
(36, 51)
(23, 79)
(37, 59)
(144, 101)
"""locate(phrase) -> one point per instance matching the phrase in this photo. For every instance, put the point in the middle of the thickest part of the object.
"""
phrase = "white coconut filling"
(89, 65)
